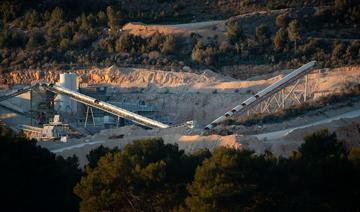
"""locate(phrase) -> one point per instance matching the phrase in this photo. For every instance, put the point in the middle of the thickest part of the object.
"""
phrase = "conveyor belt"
(263, 94)
(104, 106)
(14, 93)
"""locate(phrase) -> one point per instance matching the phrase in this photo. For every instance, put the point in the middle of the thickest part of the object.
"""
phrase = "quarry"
(207, 105)
(185, 101)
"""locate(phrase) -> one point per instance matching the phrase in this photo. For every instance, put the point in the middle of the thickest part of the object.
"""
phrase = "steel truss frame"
(297, 92)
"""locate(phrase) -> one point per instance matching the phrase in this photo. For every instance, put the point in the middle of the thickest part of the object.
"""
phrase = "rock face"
(134, 77)
(123, 77)
(28, 76)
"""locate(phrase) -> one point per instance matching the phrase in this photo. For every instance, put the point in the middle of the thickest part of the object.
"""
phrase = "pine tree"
(235, 32)
(113, 18)
(280, 39)
(294, 32)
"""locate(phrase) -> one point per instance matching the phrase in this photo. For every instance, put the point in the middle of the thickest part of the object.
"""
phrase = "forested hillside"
(65, 34)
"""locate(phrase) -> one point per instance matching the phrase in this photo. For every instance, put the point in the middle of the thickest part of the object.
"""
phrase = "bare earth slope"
(323, 80)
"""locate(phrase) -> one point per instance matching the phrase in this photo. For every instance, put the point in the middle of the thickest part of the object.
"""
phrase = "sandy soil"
(205, 29)
(186, 140)
(321, 80)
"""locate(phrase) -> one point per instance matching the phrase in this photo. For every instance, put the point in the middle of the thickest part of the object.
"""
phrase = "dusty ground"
(347, 130)
(186, 140)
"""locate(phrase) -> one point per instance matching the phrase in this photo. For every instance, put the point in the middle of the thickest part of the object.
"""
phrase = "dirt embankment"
(121, 77)
(321, 80)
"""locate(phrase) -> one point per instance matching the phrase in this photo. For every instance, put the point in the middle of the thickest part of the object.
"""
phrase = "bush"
(294, 32)
(234, 32)
(282, 21)
(36, 39)
(57, 15)
(352, 51)
(32, 19)
(106, 45)
(310, 47)
(65, 44)
(197, 54)
(113, 18)
(337, 54)
(123, 43)
(169, 45)
(280, 40)
(155, 41)
(262, 34)
(12, 38)
(80, 40)
(101, 18)
(66, 31)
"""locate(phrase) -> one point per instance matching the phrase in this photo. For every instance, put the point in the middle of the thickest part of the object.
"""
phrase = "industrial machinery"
(117, 111)
(263, 94)
(69, 94)
(17, 92)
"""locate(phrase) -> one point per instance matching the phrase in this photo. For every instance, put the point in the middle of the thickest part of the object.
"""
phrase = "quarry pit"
(170, 97)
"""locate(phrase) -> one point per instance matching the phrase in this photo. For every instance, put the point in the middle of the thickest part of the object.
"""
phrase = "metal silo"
(64, 103)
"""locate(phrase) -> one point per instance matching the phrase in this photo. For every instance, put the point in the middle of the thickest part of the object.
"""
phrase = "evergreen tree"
(280, 39)
(145, 176)
(169, 45)
(262, 34)
(294, 32)
(57, 15)
(234, 32)
(113, 18)
(34, 179)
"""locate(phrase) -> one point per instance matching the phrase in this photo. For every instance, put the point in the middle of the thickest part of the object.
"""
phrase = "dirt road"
(282, 133)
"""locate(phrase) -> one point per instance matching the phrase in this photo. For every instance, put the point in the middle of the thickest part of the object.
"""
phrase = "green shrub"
(169, 45)
(234, 32)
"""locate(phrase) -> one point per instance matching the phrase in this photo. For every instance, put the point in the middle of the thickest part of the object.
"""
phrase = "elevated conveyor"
(263, 94)
(117, 111)
(14, 93)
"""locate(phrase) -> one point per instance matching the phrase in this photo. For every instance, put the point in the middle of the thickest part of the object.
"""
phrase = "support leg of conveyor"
(86, 117)
(306, 87)
(92, 115)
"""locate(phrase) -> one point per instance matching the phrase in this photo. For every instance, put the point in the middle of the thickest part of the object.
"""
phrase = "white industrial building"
(63, 103)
